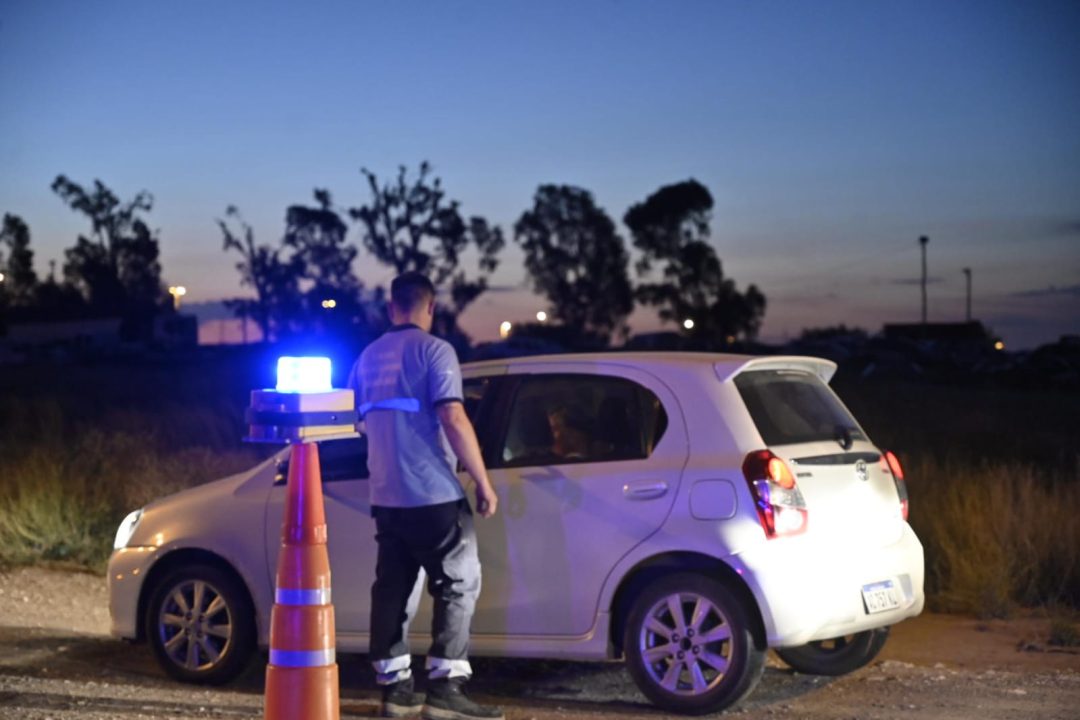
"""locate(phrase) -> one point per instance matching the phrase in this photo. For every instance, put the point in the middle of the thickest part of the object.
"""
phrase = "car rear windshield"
(791, 406)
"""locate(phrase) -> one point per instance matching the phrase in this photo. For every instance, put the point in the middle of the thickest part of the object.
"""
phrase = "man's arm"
(353, 383)
(459, 431)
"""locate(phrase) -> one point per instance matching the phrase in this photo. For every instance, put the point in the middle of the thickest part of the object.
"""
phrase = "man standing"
(409, 394)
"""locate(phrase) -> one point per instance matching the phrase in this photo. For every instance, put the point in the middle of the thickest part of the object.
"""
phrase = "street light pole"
(177, 292)
(967, 274)
(922, 244)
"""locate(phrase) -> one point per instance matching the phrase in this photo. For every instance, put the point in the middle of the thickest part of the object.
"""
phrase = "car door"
(565, 519)
(350, 529)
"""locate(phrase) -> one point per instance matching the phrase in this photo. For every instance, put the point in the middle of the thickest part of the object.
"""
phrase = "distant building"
(959, 333)
(93, 337)
(228, 331)
(176, 330)
(98, 333)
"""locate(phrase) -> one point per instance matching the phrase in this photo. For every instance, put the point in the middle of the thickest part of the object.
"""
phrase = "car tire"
(838, 656)
(200, 624)
(689, 646)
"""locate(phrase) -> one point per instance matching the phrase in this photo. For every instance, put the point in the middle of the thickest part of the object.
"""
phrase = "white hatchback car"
(685, 512)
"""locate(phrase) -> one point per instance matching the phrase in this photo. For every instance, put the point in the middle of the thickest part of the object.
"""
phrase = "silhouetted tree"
(410, 225)
(317, 237)
(56, 301)
(20, 280)
(575, 259)
(671, 229)
(275, 280)
(116, 268)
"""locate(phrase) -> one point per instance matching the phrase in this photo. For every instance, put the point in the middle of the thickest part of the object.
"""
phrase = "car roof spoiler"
(824, 369)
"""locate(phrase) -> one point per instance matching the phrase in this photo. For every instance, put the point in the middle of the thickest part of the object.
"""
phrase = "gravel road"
(58, 662)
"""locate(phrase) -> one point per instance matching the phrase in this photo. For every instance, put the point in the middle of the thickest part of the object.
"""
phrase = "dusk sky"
(831, 135)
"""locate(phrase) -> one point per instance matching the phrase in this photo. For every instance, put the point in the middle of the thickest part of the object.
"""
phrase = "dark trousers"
(440, 539)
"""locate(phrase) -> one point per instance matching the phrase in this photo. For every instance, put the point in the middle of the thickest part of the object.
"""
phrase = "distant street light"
(504, 329)
(999, 345)
(688, 324)
(177, 292)
(329, 304)
(541, 316)
(1, 277)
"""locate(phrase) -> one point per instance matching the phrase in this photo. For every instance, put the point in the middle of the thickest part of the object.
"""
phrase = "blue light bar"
(303, 375)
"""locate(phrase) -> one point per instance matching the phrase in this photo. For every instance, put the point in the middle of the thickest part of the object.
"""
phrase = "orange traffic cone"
(302, 677)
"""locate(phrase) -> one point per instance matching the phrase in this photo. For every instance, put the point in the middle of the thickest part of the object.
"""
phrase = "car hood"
(166, 519)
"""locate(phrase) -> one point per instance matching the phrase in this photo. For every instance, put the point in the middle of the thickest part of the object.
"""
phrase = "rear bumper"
(127, 572)
(810, 590)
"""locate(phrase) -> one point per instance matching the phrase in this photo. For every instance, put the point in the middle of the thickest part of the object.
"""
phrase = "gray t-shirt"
(399, 381)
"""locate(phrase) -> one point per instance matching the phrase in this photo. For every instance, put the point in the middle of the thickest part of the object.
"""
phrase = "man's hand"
(487, 502)
(462, 437)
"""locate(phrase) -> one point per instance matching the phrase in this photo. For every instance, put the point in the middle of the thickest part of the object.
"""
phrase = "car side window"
(344, 459)
(478, 396)
(575, 418)
(474, 389)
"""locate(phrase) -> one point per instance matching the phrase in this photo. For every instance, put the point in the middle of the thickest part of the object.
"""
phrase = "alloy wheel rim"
(195, 625)
(685, 644)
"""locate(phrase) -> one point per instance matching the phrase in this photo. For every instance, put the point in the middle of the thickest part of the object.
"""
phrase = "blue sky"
(831, 134)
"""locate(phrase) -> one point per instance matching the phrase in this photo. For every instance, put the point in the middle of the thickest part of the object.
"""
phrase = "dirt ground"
(57, 661)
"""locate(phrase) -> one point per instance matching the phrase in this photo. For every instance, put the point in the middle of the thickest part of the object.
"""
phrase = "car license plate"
(880, 596)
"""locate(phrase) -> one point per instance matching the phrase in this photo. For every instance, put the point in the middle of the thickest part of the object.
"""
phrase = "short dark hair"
(410, 289)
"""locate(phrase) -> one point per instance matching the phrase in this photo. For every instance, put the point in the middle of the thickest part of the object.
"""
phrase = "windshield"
(792, 406)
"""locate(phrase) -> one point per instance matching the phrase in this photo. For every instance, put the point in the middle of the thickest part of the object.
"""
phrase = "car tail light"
(780, 506)
(893, 465)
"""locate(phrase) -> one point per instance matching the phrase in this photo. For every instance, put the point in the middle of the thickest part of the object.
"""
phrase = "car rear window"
(791, 406)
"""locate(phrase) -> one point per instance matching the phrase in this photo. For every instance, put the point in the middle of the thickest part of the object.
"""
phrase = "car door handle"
(644, 489)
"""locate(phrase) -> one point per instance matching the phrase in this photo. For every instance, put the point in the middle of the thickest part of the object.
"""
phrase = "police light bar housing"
(303, 407)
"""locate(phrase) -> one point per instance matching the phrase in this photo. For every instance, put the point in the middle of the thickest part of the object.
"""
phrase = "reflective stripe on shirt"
(411, 405)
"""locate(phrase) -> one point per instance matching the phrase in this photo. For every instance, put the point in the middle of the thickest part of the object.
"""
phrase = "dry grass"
(63, 498)
(997, 535)
(1064, 633)
(81, 449)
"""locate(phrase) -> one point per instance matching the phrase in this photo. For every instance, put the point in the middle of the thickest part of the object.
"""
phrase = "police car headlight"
(127, 529)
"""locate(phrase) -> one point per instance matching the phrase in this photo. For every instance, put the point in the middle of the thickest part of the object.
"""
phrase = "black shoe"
(399, 700)
(446, 701)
